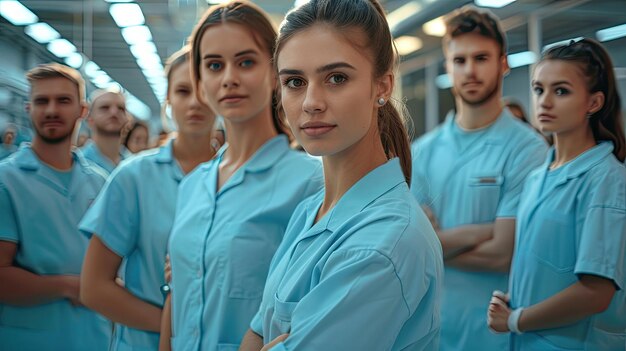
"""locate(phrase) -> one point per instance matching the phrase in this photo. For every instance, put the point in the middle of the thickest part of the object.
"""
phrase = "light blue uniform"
(41, 215)
(471, 178)
(6, 151)
(572, 221)
(93, 154)
(366, 276)
(133, 216)
(223, 241)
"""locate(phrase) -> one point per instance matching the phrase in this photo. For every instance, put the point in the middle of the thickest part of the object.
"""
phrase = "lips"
(53, 124)
(317, 128)
(545, 117)
(233, 98)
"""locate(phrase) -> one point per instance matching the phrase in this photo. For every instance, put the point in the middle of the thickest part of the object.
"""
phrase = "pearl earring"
(381, 101)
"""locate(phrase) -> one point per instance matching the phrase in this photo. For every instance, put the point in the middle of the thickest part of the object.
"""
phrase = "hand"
(168, 269)
(278, 339)
(71, 289)
(431, 217)
(498, 312)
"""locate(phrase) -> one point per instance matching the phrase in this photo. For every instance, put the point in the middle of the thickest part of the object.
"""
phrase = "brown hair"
(174, 61)
(56, 70)
(470, 19)
(597, 68)
(250, 16)
(130, 128)
(367, 16)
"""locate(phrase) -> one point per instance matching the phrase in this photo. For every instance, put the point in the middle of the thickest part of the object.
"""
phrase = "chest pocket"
(555, 242)
(249, 253)
(484, 195)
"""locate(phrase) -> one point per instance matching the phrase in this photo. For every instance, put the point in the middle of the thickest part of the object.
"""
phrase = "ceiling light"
(91, 69)
(522, 59)
(126, 15)
(435, 27)
(61, 47)
(42, 32)
(493, 3)
(74, 60)
(17, 13)
(402, 13)
(611, 33)
(141, 48)
(137, 34)
(408, 44)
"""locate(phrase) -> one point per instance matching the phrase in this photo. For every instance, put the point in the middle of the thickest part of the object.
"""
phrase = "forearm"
(488, 256)
(251, 342)
(119, 305)
(457, 240)
(23, 288)
(166, 325)
(580, 300)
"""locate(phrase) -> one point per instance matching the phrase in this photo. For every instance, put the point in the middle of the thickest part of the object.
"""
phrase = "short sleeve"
(114, 215)
(8, 218)
(529, 156)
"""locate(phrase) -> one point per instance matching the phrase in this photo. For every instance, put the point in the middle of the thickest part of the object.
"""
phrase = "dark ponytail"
(369, 17)
(606, 123)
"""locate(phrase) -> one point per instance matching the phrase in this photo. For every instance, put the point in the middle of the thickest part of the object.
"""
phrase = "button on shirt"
(366, 276)
(223, 241)
(133, 216)
(572, 221)
(465, 180)
(41, 214)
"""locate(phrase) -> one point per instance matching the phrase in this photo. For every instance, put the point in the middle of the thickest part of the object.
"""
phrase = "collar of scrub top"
(265, 157)
(28, 160)
(493, 133)
(582, 163)
(369, 188)
(166, 156)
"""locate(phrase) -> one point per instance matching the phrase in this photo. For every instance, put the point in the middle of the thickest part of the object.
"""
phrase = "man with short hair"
(45, 188)
(468, 174)
(107, 117)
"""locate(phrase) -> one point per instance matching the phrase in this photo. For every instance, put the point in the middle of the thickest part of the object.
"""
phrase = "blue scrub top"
(41, 215)
(574, 225)
(223, 241)
(6, 151)
(471, 180)
(133, 216)
(93, 154)
(367, 276)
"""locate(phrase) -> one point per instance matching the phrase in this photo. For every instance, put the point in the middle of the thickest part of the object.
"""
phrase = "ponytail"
(394, 137)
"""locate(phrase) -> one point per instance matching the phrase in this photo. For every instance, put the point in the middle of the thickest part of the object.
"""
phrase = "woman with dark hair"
(233, 211)
(359, 255)
(567, 276)
(132, 217)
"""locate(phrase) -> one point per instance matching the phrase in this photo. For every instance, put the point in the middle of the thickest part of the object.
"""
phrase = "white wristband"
(513, 321)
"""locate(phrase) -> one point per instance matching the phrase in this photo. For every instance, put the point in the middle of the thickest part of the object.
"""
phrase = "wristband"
(165, 290)
(513, 321)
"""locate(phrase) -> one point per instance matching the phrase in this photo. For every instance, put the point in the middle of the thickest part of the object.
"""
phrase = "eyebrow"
(241, 53)
(560, 82)
(325, 68)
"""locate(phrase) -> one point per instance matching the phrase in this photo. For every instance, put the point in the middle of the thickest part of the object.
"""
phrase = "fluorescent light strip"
(127, 15)
(16, 13)
(611, 33)
(61, 47)
(522, 59)
(493, 3)
(401, 14)
(42, 32)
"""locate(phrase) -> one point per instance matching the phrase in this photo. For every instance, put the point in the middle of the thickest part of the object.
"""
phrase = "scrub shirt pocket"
(556, 243)
(282, 316)
(485, 191)
(250, 252)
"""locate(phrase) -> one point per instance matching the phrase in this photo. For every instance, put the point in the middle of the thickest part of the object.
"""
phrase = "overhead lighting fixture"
(61, 47)
(42, 32)
(298, 3)
(611, 33)
(402, 13)
(17, 13)
(74, 60)
(560, 42)
(140, 49)
(115, 1)
(136, 35)
(522, 59)
(127, 15)
(493, 3)
(408, 44)
(436, 27)
(149, 60)
(92, 69)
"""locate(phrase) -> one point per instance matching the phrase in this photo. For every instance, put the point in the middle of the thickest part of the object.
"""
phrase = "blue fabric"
(471, 183)
(366, 276)
(93, 154)
(7, 151)
(41, 215)
(572, 225)
(222, 241)
(133, 216)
